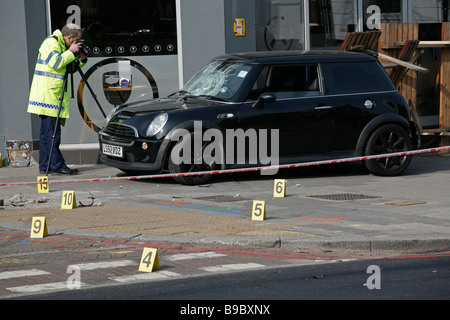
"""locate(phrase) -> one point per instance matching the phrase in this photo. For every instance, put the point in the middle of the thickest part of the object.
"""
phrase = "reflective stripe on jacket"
(48, 78)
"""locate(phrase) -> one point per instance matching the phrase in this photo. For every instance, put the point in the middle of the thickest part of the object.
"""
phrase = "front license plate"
(114, 151)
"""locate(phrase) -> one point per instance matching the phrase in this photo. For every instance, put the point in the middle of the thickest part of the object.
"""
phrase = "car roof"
(296, 56)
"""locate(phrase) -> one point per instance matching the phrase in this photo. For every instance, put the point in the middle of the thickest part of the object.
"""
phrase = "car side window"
(354, 77)
(287, 81)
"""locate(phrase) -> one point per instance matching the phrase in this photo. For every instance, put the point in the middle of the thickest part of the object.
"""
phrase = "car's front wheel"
(387, 139)
(194, 162)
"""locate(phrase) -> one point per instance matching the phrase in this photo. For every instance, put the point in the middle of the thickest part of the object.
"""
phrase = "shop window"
(430, 11)
(121, 28)
(330, 21)
(390, 11)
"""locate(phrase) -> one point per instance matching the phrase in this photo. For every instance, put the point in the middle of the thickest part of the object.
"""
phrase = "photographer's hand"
(75, 47)
(83, 56)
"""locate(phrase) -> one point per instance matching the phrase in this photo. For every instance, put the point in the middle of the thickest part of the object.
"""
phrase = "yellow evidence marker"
(149, 260)
(259, 210)
(38, 227)
(42, 186)
(68, 201)
(279, 188)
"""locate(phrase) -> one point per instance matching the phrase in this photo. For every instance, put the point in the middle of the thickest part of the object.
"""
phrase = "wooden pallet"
(400, 65)
(426, 132)
(367, 40)
(407, 54)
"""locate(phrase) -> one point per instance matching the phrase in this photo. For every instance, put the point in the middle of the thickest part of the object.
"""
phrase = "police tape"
(240, 170)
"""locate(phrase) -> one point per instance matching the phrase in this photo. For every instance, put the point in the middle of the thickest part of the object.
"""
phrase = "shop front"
(144, 49)
(134, 57)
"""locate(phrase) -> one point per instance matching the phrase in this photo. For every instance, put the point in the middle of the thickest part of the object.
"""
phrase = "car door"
(295, 108)
(357, 91)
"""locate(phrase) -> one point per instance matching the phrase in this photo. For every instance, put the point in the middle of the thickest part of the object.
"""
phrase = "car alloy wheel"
(389, 138)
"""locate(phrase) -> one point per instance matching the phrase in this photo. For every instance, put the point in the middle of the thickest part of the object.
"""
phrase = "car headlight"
(157, 124)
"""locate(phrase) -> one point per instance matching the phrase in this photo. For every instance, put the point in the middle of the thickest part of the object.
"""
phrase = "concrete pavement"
(335, 207)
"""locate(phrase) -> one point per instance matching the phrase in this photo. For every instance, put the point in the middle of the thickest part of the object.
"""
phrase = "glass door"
(280, 25)
(329, 22)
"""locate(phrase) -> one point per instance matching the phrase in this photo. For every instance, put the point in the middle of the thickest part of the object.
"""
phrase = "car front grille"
(121, 130)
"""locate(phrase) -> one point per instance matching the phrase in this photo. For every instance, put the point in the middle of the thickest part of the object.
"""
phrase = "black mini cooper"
(265, 108)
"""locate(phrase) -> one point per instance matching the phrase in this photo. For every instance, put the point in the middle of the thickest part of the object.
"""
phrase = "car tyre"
(175, 168)
(389, 138)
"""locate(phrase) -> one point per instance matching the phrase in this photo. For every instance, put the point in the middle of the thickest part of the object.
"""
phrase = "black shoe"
(66, 170)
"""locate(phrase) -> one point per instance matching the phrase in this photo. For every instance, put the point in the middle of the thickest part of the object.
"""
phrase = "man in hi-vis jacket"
(56, 53)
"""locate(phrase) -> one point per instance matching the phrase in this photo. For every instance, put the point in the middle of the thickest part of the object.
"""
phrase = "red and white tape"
(251, 169)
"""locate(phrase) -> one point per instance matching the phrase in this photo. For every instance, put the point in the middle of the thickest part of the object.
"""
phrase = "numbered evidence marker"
(42, 186)
(38, 227)
(149, 260)
(279, 188)
(68, 200)
(259, 210)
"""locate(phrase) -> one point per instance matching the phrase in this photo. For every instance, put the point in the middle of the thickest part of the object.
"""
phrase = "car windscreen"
(219, 79)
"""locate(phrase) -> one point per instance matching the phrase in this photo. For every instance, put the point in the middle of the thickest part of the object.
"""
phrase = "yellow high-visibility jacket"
(48, 78)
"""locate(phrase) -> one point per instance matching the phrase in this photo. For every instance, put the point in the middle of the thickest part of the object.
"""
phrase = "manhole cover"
(222, 198)
(343, 196)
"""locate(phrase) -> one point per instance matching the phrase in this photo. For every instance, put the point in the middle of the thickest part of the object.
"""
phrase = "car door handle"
(323, 107)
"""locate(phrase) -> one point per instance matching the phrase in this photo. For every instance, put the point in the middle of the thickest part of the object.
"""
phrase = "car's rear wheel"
(389, 138)
(196, 163)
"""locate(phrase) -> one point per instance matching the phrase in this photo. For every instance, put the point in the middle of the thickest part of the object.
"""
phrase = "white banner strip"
(285, 166)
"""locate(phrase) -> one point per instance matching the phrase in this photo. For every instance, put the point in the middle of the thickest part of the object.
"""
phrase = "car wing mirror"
(263, 99)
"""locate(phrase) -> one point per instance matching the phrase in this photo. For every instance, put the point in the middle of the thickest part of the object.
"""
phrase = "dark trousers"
(47, 128)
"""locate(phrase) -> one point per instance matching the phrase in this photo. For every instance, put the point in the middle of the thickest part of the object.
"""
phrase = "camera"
(84, 48)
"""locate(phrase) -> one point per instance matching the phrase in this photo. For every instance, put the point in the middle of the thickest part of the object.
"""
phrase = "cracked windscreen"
(218, 80)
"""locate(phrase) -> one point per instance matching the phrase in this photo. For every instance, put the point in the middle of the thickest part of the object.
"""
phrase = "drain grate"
(222, 198)
(343, 196)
